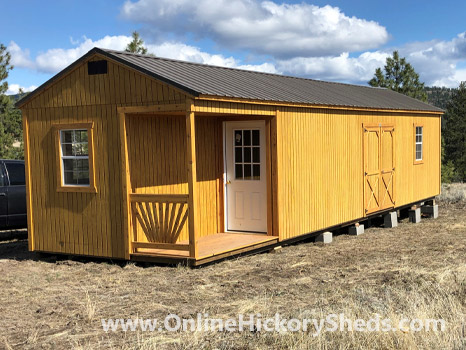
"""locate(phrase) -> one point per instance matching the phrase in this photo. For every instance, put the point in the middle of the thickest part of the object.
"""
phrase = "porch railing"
(161, 218)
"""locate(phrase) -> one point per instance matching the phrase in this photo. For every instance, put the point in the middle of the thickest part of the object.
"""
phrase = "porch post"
(125, 176)
(192, 178)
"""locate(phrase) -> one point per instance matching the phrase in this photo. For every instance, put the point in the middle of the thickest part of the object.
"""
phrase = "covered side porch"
(175, 182)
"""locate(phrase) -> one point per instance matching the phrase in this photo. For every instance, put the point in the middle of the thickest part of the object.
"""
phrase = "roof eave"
(310, 105)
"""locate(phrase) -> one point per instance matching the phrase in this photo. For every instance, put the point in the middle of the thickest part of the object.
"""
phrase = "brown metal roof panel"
(196, 79)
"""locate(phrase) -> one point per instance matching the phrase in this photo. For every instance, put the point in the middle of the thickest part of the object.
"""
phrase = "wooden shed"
(140, 157)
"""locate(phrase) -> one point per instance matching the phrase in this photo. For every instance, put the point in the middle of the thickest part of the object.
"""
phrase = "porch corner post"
(192, 178)
(125, 186)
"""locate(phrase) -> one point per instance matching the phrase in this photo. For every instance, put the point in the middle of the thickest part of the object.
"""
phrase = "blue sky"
(329, 40)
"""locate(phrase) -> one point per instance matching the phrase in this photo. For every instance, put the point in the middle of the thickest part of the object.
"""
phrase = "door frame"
(381, 127)
(268, 170)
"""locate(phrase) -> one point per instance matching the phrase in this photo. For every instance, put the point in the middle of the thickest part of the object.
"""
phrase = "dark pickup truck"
(12, 194)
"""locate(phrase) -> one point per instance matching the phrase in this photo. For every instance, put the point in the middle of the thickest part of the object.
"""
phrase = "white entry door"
(245, 176)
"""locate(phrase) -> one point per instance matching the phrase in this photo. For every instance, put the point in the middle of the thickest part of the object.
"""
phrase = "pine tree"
(398, 75)
(455, 131)
(10, 117)
(136, 45)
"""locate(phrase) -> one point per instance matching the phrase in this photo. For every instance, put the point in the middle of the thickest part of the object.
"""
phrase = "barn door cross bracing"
(379, 169)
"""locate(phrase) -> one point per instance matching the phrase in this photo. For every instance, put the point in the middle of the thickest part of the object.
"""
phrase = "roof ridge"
(236, 69)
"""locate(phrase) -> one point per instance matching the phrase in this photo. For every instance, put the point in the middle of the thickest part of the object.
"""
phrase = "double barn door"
(379, 167)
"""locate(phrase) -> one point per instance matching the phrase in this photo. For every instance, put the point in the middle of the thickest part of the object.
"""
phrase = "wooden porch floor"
(209, 247)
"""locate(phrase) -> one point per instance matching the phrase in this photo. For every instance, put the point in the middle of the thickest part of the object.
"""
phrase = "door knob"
(228, 182)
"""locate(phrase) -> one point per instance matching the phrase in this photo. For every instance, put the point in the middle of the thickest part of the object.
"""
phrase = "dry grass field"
(413, 271)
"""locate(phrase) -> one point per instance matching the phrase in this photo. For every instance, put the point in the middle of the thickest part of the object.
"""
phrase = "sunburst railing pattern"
(161, 218)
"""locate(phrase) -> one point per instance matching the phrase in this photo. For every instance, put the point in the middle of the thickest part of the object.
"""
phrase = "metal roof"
(201, 79)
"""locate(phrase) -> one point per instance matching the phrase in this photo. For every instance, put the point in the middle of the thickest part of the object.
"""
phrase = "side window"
(75, 166)
(418, 144)
(16, 174)
(75, 157)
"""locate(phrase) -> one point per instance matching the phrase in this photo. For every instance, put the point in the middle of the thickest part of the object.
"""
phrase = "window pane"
(67, 149)
(83, 178)
(247, 172)
(16, 173)
(418, 147)
(83, 135)
(256, 170)
(238, 138)
(255, 138)
(68, 164)
(80, 149)
(238, 155)
(69, 178)
(66, 136)
(247, 137)
(239, 171)
(256, 158)
(247, 154)
(82, 165)
(76, 171)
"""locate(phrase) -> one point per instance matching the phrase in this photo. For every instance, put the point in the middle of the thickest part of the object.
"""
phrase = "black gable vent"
(97, 67)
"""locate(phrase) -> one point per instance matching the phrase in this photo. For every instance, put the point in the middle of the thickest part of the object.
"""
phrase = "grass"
(453, 193)
(413, 271)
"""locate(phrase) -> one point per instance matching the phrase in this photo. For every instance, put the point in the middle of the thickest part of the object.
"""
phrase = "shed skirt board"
(245, 176)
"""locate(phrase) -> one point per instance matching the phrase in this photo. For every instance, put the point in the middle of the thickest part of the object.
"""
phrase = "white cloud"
(341, 68)
(435, 61)
(281, 30)
(19, 57)
(54, 60)
(180, 51)
(14, 89)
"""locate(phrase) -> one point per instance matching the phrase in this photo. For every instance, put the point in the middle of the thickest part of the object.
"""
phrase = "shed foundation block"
(390, 219)
(415, 215)
(356, 230)
(431, 210)
(325, 237)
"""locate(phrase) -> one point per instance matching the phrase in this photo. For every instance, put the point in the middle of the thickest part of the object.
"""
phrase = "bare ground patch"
(414, 271)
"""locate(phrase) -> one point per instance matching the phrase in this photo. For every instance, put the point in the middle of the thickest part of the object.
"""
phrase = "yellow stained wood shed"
(144, 158)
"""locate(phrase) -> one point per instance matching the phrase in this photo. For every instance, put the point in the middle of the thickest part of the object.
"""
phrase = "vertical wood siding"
(85, 223)
(319, 160)
(320, 166)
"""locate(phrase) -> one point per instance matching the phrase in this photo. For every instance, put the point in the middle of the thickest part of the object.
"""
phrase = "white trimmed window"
(76, 158)
(419, 140)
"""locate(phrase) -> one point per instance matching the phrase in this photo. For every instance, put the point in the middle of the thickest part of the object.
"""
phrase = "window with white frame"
(419, 140)
(74, 147)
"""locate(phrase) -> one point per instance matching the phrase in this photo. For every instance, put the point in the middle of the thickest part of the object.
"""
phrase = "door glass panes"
(247, 154)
